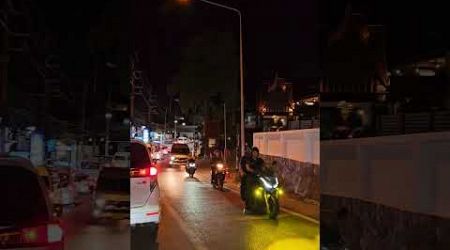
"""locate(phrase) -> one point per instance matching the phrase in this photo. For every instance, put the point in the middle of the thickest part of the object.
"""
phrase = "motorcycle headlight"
(266, 184)
(219, 166)
(172, 158)
(258, 192)
(276, 183)
(100, 202)
(192, 164)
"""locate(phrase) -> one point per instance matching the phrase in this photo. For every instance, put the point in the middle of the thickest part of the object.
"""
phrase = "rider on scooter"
(253, 166)
(216, 157)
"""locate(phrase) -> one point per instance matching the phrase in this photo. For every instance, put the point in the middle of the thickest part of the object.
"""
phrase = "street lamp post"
(225, 132)
(165, 128)
(175, 128)
(108, 117)
(241, 64)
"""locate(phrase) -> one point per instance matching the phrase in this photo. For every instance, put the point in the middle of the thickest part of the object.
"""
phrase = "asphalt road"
(82, 234)
(196, 216)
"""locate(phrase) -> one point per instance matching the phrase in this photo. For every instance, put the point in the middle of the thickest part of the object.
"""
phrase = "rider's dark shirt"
(256, 164)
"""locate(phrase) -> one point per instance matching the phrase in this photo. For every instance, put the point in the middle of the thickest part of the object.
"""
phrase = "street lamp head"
(184, 124)
(175, 121)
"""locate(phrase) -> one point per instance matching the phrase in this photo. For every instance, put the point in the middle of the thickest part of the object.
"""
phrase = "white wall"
(301, 145)
(409, 172)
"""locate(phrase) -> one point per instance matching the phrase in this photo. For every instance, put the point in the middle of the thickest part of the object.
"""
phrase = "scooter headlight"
(192, 165)
(219, 166)
(266, 184)
(276, 183)
(172, 158)
(258, 192)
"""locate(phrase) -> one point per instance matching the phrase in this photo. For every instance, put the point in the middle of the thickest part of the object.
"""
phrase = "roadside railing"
(410, 123)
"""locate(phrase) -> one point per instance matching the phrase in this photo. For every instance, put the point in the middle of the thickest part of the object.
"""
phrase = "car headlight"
(100, 202)
(219, 166)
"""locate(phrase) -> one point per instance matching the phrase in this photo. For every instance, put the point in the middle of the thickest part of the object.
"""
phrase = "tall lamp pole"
(108, 117)
(225, 132)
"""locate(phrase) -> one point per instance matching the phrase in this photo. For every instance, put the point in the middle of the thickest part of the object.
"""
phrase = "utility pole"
(165, 127)
(225, 132)
(83, 111)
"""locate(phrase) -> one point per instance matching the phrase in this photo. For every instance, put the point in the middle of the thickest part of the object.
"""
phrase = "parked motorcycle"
(266, 193)
(191, 167)
(219, 175)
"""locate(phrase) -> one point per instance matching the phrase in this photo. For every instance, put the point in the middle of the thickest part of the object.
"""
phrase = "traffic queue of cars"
(37, 197)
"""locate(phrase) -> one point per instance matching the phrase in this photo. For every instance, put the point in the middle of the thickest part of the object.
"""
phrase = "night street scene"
(186, 111)
(64, 125)
(385, 122)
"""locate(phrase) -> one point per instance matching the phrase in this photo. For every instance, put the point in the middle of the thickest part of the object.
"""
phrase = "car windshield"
(114, 180)
(139, 156)
(180, 149)
(23, 199)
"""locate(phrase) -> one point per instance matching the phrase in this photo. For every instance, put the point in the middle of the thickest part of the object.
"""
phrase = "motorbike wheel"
(191, 175)
(220, 184)
(273, 207)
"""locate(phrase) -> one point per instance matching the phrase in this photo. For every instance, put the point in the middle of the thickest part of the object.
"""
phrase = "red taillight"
(51, 233)
(144, 172)
(153, 171)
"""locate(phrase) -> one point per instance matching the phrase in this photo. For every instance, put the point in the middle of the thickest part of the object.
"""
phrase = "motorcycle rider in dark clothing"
(253, 166)
(216, 157)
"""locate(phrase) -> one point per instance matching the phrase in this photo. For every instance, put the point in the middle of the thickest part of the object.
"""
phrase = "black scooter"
(191, 167)
(218, 175)
(265, 194)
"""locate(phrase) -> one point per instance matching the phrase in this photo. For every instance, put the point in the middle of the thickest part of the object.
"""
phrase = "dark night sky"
(278, 35)
(411, 27)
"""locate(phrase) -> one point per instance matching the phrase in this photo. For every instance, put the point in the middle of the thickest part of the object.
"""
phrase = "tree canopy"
(210, 65)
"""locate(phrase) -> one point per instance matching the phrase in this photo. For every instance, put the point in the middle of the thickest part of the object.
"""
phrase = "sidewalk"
(309, 209)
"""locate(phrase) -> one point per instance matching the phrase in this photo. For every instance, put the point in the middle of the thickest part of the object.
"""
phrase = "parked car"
(112, 196)
(26, 214)
(92, 170)
(82, 184)
(121, 160)
(145, 203)
(65, 194)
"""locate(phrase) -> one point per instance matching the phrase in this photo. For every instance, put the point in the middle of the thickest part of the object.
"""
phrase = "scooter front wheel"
(273, 207)
(220, 184)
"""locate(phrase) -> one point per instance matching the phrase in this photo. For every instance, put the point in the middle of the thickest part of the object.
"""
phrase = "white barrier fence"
(300, 145)
(408, 172)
